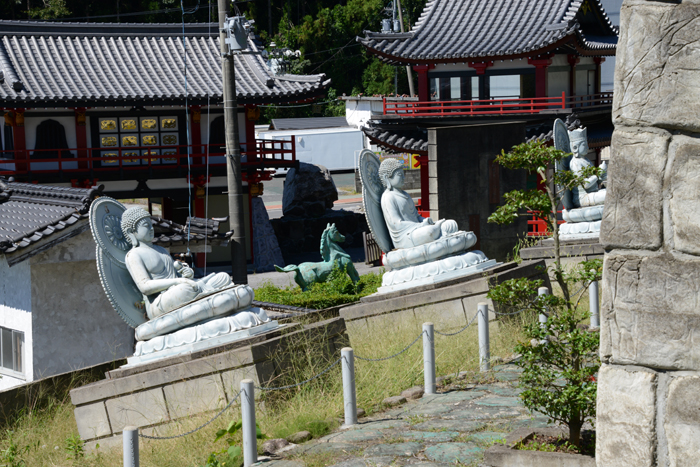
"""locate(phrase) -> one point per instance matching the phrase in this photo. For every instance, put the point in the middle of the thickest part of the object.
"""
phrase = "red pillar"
(252, 115)
(573, 61)
(196, 131)
(20, 141)
(424, 186)
(541, 64)
(597, 61)
(423, 84)
(81, 137)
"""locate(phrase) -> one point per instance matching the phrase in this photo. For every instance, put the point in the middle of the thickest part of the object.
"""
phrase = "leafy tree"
(561, 358)
(536, 156)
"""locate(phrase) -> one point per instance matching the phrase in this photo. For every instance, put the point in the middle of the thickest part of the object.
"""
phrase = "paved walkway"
(454, 426)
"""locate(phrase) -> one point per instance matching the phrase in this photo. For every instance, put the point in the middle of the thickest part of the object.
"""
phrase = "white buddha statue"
(588, 194)
(406, 227)
(165, 284)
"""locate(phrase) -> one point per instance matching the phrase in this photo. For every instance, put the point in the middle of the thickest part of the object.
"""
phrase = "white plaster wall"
(16, 313)
(73, 323)
(30, 124)
(557, 82)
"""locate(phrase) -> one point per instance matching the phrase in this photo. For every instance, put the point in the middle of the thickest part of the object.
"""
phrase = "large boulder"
(308, 191)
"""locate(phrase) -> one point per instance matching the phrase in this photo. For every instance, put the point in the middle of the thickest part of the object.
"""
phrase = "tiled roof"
(475, 30)
(30, 213)
(413, 141)
(57, 64)
(201, 231)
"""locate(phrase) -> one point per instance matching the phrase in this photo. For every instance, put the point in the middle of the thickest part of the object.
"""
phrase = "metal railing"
(530, 105)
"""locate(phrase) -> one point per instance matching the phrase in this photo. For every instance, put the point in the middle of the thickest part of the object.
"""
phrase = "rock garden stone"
(451, 453)
(299, 437)
(396, 449)
(394, 401)
(416, 392)
(271, 446)
(308, 191)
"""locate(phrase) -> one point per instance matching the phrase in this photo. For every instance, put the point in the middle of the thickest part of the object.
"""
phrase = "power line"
(137, 13)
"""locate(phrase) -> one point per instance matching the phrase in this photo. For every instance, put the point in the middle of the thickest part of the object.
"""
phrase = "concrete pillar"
(648, 410)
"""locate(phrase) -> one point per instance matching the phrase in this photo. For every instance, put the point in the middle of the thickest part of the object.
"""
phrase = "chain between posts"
(392, 356)
(455, 333)
(289, 386)
(196, 429)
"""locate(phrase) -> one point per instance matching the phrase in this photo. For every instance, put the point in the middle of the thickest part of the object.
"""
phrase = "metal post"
(484, 351)
(250, 444)
(409, 74)
(429, 358)
(130, 438)
(543, 291)
(239, 270)
(594, 305)
(349, 397)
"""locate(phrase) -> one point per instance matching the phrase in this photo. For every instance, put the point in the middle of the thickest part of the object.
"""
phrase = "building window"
(12, 350)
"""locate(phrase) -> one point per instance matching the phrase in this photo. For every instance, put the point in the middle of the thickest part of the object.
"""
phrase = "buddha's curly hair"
(387, 169)
(131, 218)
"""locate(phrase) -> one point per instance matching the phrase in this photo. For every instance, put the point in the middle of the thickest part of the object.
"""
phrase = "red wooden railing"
(537, 227)
(530, 105)
(260, 154)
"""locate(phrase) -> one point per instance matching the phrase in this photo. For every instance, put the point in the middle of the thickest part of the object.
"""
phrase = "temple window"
(12, 350)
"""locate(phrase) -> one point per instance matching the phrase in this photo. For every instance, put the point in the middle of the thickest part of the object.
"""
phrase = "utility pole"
(408, 67)
(239, 270)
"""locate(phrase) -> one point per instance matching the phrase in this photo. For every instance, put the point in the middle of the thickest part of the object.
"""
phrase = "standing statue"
(418, 250)
(158, 296)
(332, 254)
(583, 205)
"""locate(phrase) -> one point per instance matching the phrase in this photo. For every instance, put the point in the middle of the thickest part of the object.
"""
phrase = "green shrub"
(337, 290)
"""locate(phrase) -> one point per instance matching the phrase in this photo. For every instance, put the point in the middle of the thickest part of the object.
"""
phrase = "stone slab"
(195, 396)
(656, 67)
(453, 453)
(626, 422)
(650, 314)
(92, 421)
(633, 216)
(140, 409)
(505, 456)
(397, 449)
(682, 421)
(683, 220)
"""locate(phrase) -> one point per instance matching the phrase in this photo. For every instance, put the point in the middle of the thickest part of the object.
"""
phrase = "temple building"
(138, 108)
(493, 62)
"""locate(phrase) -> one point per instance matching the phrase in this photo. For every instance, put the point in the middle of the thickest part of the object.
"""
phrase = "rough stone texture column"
(648, 403)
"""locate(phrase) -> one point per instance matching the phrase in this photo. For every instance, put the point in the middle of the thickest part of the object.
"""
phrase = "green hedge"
(337, 290)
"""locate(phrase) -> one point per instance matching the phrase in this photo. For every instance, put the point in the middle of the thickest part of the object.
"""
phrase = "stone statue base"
(443, 259)
(219, 303)
(581, 223)
(436, 271)
(212, 333)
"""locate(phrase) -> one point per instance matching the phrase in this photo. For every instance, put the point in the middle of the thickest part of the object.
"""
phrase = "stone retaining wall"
(648, 409)
(449, 305)
(152, 395)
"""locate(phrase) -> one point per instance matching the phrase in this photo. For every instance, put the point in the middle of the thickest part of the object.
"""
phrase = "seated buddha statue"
(590, 193)
(165, 284)
(406, 227)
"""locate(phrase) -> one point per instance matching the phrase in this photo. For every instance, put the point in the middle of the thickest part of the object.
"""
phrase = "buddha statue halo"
(172, 312)
(418, 250)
